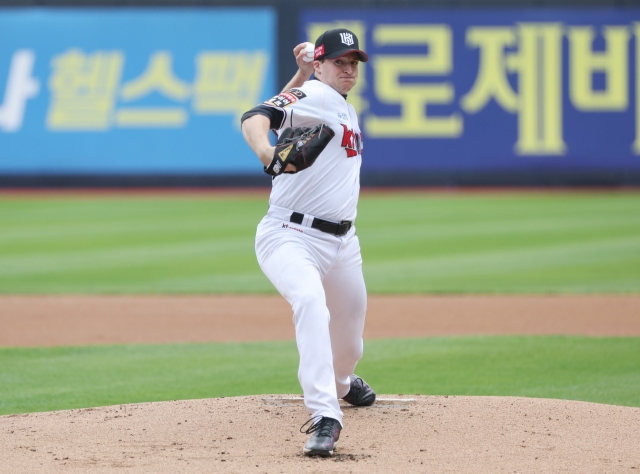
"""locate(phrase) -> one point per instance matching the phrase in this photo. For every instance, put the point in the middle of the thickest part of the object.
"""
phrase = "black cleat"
(326, 432)
(360, 394)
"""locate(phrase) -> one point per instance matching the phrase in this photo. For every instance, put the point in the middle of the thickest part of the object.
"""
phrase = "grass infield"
(515, 242)
(604, 370)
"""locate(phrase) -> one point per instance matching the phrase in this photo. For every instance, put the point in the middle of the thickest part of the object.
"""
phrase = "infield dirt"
(259, 434)
(37, 320)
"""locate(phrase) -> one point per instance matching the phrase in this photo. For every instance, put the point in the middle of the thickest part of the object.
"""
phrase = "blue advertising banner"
(132, 90)
(495, 90)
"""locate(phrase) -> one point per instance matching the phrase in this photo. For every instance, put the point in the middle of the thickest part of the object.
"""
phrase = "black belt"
(325, 226)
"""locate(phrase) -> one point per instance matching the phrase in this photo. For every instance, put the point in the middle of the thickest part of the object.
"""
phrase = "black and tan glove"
(299, 146)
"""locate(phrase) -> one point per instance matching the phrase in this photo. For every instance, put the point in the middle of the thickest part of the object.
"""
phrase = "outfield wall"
(152, 96)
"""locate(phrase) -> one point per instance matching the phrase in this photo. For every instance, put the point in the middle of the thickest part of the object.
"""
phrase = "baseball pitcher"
(307, 244)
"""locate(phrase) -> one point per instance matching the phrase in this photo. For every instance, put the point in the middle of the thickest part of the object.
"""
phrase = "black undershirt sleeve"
(275, 116)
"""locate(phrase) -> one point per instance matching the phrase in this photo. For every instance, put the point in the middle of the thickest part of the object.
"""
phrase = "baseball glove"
(299, 146)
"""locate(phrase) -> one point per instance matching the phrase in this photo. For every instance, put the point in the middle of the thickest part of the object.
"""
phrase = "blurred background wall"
(468, 92)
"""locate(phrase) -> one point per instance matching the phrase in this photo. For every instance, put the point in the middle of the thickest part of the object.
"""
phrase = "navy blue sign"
(495, 89)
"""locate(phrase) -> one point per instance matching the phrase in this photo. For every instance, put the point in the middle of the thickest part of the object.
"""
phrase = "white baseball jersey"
(319, 273)
(329, 189)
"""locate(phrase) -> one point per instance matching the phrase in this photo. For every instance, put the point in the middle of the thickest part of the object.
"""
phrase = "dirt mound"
(259, 434)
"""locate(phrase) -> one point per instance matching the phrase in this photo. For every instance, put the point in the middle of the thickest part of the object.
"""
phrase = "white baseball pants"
(320, 275)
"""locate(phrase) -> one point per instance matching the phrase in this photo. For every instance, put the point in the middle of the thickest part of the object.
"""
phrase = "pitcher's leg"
(295, 274)
(347, 302)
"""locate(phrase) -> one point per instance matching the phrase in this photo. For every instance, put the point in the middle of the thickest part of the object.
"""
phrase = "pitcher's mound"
(259, 434)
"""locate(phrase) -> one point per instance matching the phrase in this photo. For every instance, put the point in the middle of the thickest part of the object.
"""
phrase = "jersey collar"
(314, 78)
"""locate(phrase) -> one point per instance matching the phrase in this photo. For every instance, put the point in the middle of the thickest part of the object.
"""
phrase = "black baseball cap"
(333, 44)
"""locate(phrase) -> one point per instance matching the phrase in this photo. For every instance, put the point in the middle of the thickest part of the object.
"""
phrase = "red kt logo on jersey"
(351, 142)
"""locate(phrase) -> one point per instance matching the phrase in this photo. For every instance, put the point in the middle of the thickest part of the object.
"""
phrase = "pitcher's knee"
(309, 301)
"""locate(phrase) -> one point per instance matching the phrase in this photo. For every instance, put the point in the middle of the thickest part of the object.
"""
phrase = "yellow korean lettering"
(414, 99)
(359, 28)
(135, 117)
(158, 77)
(538, 65)
(491, 82)
(228, 82)
(612, 62)
(83, 90)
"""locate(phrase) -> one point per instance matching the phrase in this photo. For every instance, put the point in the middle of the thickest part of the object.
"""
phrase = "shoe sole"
(318, 452)
(369, 403)
(366, 403)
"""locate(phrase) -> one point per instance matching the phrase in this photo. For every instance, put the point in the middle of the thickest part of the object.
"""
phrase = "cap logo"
(347, 38)
(318, 52)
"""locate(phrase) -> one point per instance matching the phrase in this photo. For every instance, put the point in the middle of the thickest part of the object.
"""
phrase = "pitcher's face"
(340, 73)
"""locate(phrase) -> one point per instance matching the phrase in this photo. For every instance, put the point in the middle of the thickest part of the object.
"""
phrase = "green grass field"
(411, 243)
(523, 242)
(602, 370)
